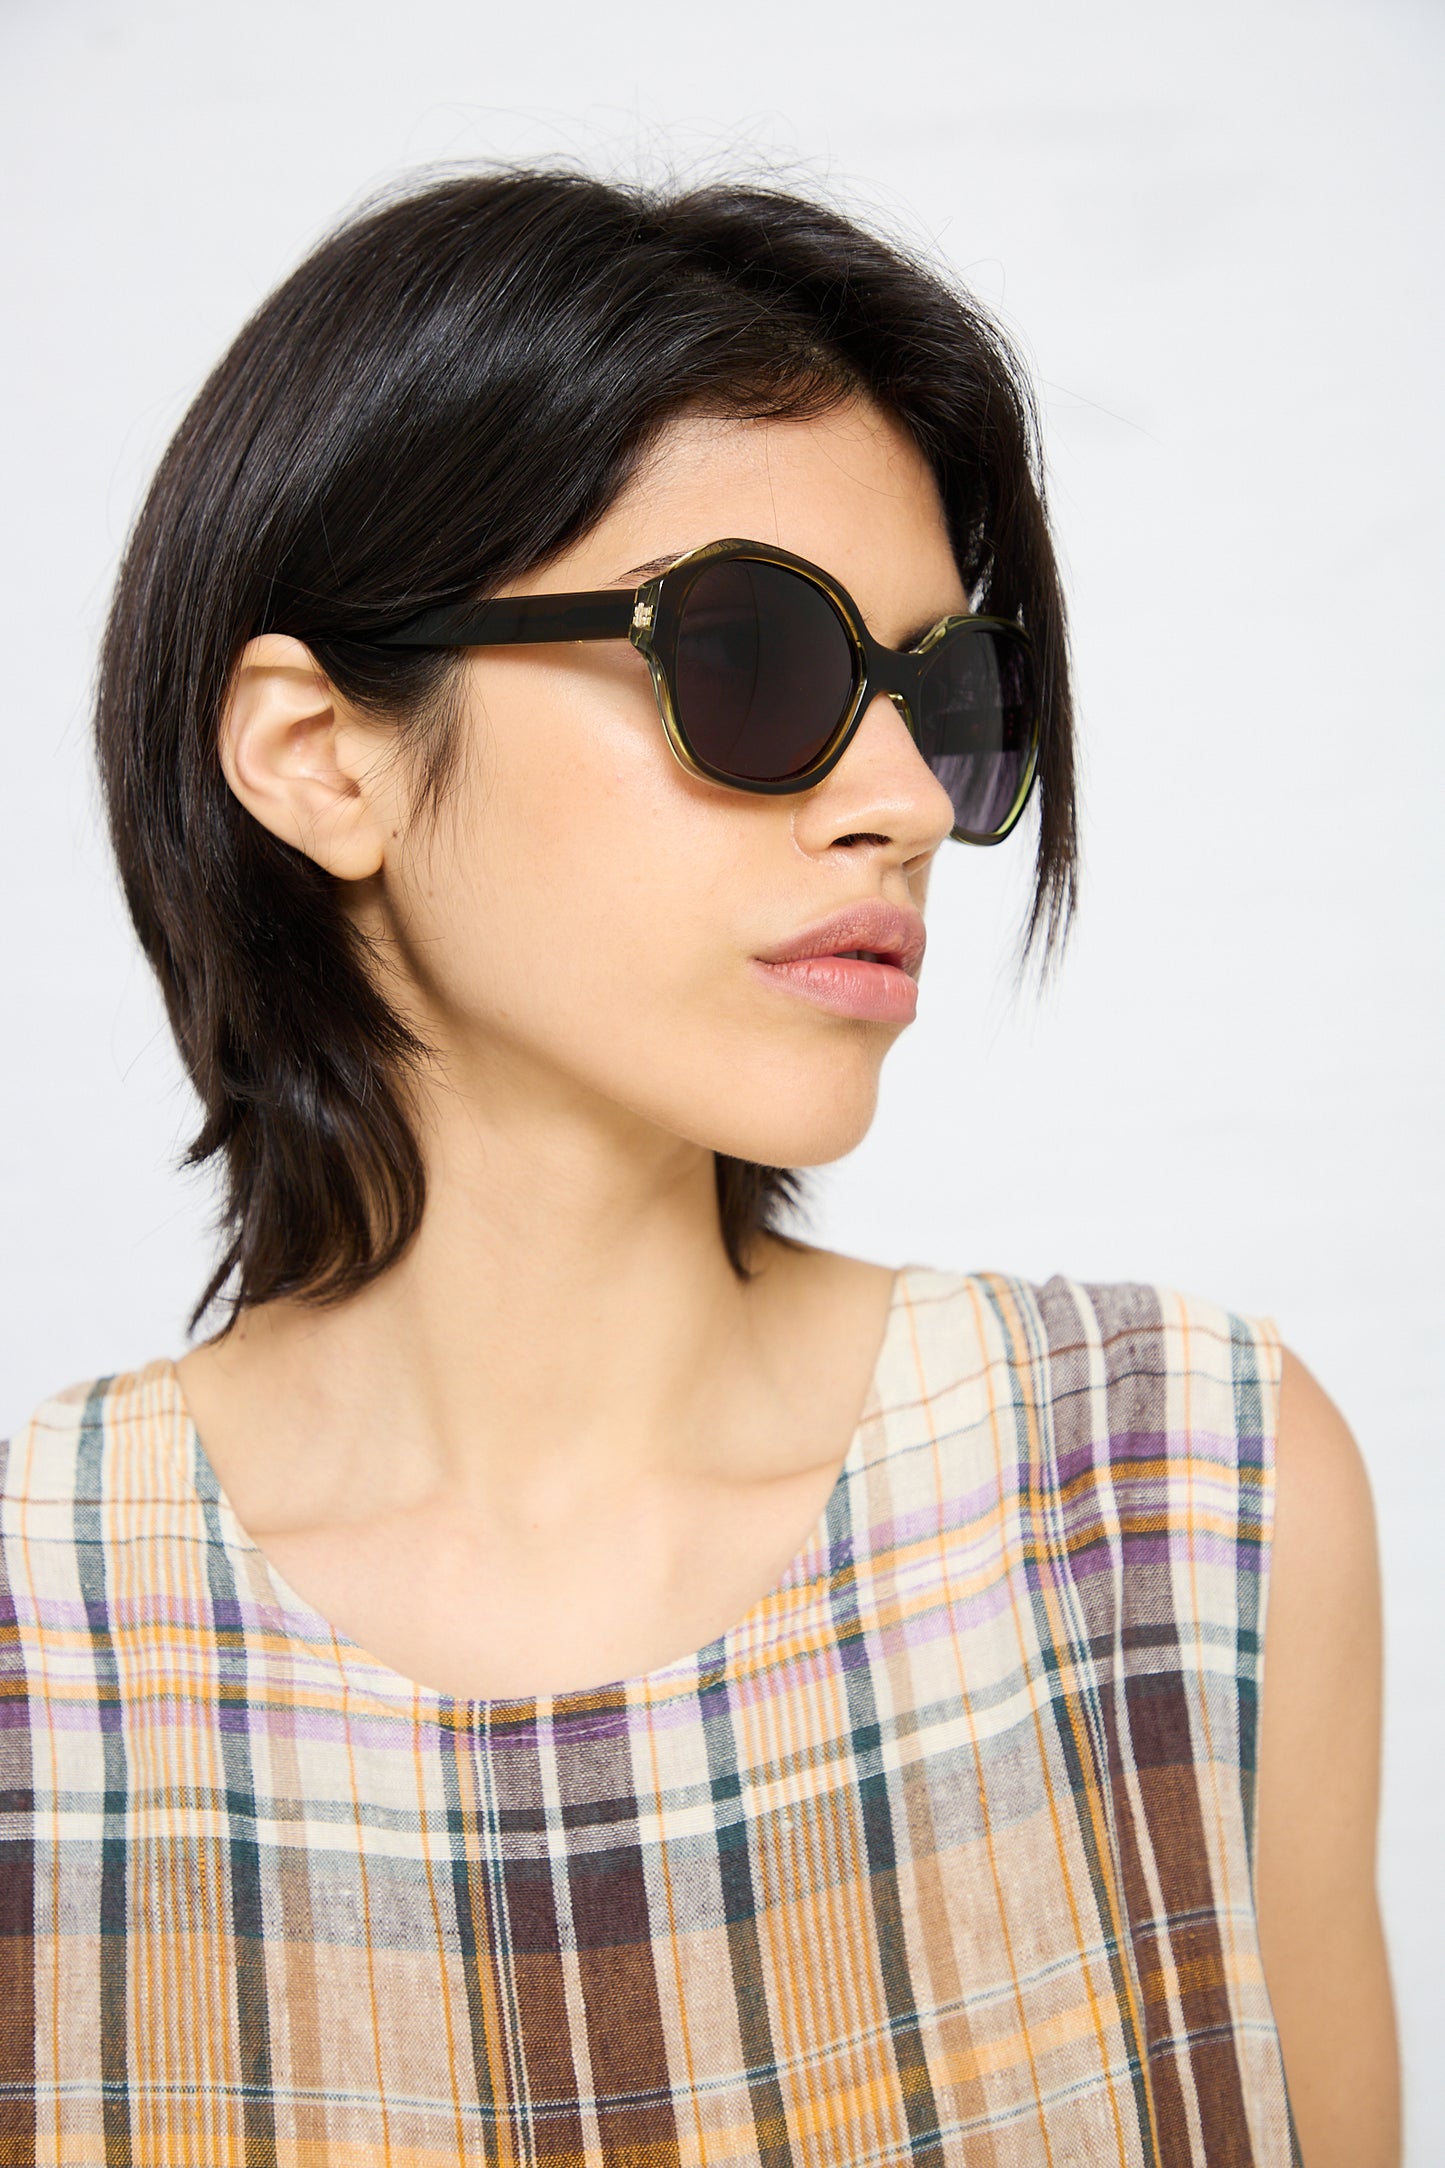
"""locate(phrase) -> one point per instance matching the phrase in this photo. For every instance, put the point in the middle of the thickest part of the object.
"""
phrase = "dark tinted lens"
(764, 672)
(976, 728)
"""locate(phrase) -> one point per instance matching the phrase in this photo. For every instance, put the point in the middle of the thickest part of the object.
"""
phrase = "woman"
(568, 1672)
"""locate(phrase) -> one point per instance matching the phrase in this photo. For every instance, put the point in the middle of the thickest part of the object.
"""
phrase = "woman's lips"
(861, 961)
(848, 986)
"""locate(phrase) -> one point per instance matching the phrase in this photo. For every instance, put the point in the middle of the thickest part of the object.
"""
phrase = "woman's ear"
(303, 763)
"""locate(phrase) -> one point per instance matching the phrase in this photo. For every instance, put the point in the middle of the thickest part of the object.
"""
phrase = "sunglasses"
(762, 667)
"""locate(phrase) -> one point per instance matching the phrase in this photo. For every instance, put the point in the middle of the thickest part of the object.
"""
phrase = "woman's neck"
(559, 1442)
(567, 1302)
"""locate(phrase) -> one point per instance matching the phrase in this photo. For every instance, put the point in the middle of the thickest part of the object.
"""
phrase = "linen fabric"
(942, 1854)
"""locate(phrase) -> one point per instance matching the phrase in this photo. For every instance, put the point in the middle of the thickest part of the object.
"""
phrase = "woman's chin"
(797, 1143)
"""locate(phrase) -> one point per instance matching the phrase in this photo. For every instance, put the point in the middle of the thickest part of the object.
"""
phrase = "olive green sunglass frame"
(650, 617)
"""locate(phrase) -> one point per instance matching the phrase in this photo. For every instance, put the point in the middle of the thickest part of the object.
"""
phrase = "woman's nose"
(881, 788)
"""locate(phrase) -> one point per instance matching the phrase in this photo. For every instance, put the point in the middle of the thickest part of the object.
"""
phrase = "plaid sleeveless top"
(943, 1853)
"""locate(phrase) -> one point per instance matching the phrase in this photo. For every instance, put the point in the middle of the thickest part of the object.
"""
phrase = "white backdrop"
(1214, 229)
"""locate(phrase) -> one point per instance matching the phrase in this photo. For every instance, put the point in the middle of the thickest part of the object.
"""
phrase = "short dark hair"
(452, 387)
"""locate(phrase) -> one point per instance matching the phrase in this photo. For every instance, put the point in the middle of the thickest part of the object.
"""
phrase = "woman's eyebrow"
(643, 572)
(910, 639)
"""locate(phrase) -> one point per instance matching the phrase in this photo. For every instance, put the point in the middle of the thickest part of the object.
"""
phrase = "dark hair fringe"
(448, 390)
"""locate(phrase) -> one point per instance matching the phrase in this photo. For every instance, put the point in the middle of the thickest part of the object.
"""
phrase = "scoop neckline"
(388, 1687)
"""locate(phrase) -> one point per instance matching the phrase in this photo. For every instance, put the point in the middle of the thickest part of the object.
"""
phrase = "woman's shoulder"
(94, 1470)
(1130, 1357)
(1106, 1445)
(1122, 1425)
(81, 1443)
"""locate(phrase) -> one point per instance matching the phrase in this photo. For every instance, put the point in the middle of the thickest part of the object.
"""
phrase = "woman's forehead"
(837, 488)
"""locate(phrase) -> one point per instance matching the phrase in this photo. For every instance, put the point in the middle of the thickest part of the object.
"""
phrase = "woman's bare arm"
(1319, 1776)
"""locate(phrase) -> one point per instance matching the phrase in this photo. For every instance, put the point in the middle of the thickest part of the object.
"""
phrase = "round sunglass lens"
(765, 670)
(976, 729)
